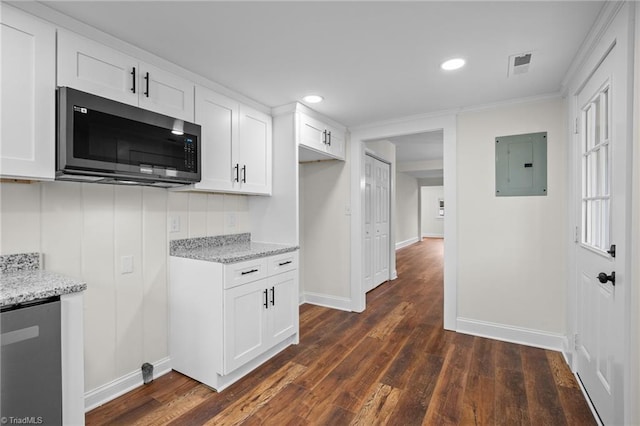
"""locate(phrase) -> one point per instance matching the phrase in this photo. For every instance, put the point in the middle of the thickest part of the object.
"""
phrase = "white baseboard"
(341, 303)
(406, 243)
(507, 333)
(109, 391)
(428, 235)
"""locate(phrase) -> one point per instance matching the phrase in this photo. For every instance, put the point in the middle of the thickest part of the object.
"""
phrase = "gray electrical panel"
(521, 165)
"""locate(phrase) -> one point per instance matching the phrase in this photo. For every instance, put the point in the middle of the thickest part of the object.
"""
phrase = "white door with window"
(602, 172)
(376, 222)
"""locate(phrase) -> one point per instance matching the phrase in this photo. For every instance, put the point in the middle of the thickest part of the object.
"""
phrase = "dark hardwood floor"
(392, 365)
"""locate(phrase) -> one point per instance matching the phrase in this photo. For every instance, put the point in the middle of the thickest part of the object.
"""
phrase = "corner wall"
(407, 221)
(511, 250)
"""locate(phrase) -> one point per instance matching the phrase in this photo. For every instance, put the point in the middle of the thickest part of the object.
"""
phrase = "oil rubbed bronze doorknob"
(603, 278)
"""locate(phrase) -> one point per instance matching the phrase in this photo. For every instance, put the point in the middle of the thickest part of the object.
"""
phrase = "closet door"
(381, 226)
(376, 222)
(368, 223)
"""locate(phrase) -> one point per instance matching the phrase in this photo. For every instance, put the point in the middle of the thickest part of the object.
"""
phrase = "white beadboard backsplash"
(84, 230)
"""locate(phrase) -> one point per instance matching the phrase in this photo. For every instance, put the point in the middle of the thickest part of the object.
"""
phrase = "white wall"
(511, 250)
(84, 229)
(432, 224)
(325, 233)
(407, 210)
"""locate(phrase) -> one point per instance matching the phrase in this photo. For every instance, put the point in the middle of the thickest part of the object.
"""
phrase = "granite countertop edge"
(234, 253)
(29, 285)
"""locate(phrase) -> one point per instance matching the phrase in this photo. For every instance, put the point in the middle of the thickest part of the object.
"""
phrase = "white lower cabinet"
(225, 320)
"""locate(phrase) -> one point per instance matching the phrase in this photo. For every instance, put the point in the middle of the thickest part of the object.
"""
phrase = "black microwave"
(104, 141)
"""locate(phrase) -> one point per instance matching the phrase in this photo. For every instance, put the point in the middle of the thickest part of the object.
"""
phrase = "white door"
(602, 117)
(254, 152)
(368, 223)
(283, 307)
(245, 323)
(381, 228)
(218, 116)
(91, 67)
(27, 85)
(165, 93)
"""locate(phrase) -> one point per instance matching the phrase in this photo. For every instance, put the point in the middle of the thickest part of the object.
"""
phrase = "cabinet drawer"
(283, 263)
(236, 274)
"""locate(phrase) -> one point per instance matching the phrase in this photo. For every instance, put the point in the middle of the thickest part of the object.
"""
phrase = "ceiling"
(372, 61)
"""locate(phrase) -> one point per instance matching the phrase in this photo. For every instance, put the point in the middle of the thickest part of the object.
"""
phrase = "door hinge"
(575, 341)
(576, 235)
(575, 128)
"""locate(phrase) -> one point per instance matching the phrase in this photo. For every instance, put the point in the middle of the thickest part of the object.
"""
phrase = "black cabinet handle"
(273, 296)
(248, 272)
(285, 263)
(237, 169)
(133, 73)
(266, 299)
(329, 138)
(244, 174)
(146, 77)
(324, 137)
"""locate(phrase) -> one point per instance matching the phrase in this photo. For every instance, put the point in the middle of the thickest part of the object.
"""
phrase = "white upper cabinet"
(236, 147)
(27, 94)
(254, 154)
(323, 140)
(218, 116)
(94, 68)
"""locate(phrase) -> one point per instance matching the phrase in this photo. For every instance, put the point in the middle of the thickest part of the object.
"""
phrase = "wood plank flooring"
(391, 365)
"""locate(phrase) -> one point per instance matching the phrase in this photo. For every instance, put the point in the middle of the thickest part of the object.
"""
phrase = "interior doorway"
(360, 142)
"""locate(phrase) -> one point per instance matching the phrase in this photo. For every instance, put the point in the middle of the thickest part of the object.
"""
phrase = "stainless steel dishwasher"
(30, 358)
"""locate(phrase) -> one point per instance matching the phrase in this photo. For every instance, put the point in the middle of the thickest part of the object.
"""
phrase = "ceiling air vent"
(519, 64)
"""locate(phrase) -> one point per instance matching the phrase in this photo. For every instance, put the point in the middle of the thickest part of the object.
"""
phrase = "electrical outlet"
(231, 219)
(174, 224)
(126, 264)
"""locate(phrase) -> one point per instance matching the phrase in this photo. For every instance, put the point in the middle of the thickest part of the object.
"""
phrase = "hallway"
(392, 364)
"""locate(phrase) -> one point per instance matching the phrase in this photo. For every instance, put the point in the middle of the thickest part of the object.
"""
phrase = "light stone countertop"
(28, 285)
(22, 280)
(226, 248)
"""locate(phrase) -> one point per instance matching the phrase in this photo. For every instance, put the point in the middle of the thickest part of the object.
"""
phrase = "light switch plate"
(126, 263)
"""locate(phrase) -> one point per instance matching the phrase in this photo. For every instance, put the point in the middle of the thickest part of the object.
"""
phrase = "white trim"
(406, 243)
(508, 333)
(407, 126)
(455, 111)
(430, 235)
(328, 301)
(109, 391)
(589, 403)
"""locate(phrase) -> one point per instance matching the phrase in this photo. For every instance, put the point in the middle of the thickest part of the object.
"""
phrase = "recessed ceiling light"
(313, 99)
(452, 64)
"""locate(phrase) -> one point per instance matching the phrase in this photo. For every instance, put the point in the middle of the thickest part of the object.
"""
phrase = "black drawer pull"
(273, 296)
(285, 263)
(133, 73)
(249, 272)
(266, 298)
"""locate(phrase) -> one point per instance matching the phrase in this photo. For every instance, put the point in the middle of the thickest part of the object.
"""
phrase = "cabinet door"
(244, 324)
(312, 133)
(254, 151)
(335, 145)
(91, 67)
(27, 95)
(218, 116)
(165, 93)
(283, 306)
